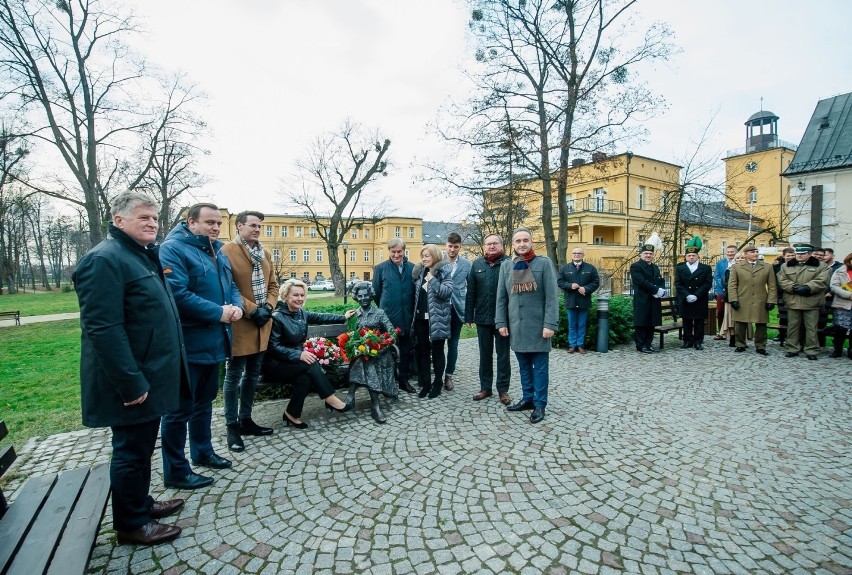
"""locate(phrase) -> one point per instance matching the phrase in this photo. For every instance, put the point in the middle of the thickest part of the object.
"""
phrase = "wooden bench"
(669, 313)
(824, 323)
(16, 315)
(52, 524)
(340, 378)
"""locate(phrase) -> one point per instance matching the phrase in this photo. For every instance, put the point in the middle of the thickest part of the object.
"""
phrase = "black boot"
(375, 408)
(235, 441)
(732, 342)
(350, 397)
(435, 391)
(424, 390)
(838, 338)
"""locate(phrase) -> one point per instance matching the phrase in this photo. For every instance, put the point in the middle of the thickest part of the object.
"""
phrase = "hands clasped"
(691, 298)
(230, 313)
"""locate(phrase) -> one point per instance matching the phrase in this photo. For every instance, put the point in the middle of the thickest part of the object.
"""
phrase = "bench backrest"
(669, 308)
(329, 331)
(7, 458)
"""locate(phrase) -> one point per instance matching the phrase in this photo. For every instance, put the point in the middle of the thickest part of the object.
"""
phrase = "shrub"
(620, 323)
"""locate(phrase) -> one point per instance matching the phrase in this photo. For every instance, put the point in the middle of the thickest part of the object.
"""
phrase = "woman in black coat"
(286, 357)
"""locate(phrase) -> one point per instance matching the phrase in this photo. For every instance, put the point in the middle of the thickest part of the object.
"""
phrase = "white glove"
(691, 298)
(660, 292)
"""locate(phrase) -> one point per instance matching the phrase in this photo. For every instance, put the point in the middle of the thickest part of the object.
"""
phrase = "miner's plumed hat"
(693, 246)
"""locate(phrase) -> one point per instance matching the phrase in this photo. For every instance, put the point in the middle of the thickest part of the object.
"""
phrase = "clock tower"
(753, 182)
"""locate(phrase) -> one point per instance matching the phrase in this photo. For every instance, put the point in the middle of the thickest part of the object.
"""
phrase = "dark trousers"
(130, 474)
(453, 343)
(428, 350)
(643, 335)
(306, 378)
(490, 340)
(194, 412)
(693, 330)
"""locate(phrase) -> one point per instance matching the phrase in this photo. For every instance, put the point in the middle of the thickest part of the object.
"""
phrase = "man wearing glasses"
(578, 280)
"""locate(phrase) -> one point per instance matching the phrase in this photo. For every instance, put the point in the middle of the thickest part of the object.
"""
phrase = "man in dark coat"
(479, 309)
(647, 290)
(693, 281)
(131, 361)
(578, 280)
(394, 289)
(209, 301)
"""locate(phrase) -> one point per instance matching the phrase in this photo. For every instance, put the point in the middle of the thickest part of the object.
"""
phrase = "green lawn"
(40, 303)
(39, 368)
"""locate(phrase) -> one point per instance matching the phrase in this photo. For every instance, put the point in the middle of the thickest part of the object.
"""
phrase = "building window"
(268, 231)
(397, 232)
(352, 256)
(641, 239)
(352, 275)
(598, 240)
(306, 277)
(276, 255)
(410, 232)
(354, 234)
(284, 231)
(600, 194)
(640, 198)
(752, 196)
(293, 275)
(306, 255)
(664, 201)
(366, 255)
(569, 203)
(367, 234)
(292, 255)
(313, 232)
(298, 231)
(406, 253)
(319, 255)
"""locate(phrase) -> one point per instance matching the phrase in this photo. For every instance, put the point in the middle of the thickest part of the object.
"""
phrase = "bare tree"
(13, 153)
(66, 59)
(335, 175)
(565, 74)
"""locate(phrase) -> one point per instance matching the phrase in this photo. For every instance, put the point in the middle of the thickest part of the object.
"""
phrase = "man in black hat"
(803, 281)
(693, 281)
(647, 290)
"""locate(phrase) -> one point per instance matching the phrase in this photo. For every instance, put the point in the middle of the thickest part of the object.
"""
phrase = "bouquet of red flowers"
(365, 342)
(328, 352)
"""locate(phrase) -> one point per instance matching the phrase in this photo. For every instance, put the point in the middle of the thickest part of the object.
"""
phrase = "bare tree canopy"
(556, 79)
(332, 194)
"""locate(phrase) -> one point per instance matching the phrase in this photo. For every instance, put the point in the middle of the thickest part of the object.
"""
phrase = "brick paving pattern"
(644, 464)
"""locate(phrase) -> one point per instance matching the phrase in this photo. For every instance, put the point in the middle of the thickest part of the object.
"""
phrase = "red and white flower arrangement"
(328, 352)
(365, 342)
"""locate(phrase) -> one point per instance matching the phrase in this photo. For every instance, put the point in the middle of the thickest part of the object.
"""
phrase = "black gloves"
(801, 290)
(770, 306)
(735, 304)
(261, 315)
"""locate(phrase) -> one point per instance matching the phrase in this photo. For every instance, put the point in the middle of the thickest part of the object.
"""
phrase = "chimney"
(598, 156)
(577, 162)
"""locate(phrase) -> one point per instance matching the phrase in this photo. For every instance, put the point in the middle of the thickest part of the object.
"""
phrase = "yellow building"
(754, 184)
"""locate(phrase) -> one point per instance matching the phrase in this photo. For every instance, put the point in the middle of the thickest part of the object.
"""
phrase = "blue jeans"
(453, 342)
(241, 373)
(195, 412)
(577, 319)
(534, 369)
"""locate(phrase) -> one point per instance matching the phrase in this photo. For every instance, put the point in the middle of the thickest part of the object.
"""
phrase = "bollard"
(603, 323)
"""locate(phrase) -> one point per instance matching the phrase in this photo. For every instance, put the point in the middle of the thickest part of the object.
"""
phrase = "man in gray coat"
(528, 312)
(459, 270)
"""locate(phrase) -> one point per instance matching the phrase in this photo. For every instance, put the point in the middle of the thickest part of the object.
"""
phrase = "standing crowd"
(158, 322)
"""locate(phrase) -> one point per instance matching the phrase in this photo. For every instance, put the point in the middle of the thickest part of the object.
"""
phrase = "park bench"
(338, 379)
(670, 320)
(16, 315)
(52, 524)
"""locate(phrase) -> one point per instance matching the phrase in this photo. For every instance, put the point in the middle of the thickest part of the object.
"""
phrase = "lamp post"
(345, 247)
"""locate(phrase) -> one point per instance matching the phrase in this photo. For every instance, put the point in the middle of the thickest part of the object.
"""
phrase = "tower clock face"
(751, 167)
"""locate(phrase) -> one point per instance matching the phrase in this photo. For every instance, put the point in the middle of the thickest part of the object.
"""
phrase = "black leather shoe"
(537, 415)
(406, 387)
(149, 534)
(686, 345)
(740, 349)
(165, 508)
(699, 346)
(648, 350)
(761, 351)
(213, 462)
(791, 354)
(249, 427)
(521, 406)
(812, 357)
(191, 481)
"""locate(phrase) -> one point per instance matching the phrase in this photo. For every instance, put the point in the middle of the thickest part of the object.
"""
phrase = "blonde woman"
(433, 291)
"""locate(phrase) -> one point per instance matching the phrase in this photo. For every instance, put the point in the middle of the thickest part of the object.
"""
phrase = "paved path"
(39, 318)
(645, 464)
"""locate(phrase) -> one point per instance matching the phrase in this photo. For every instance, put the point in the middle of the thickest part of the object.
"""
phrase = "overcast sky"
(279, 73)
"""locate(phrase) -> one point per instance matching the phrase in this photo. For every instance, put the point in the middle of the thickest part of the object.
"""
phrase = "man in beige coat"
(752, 293)
(803, 280)
(252, 268)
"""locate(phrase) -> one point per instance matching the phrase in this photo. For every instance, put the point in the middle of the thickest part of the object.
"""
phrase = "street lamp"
(345, 247)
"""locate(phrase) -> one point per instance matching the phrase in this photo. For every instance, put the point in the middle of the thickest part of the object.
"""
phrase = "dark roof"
(437, 232)
(827, 142)
(761, 115)
(715, 215)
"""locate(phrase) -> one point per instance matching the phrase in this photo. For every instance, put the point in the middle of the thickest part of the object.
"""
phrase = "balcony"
(774, 143)
(599, 205)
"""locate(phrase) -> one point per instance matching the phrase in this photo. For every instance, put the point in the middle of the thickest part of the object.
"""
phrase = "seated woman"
(286, 358)
(433, 290)
(375, 373)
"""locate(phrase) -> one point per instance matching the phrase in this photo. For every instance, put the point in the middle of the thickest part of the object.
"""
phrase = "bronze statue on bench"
(376, 373)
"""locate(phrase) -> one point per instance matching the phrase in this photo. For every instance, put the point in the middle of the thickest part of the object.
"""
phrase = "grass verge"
(40, 302)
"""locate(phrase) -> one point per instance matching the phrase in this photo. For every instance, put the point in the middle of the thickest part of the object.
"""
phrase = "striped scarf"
(522, 276)
(258, 283)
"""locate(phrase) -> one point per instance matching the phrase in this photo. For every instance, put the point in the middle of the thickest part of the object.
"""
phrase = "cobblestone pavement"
(681, 462)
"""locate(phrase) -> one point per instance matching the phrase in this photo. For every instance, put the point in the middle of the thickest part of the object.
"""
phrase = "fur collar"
(415, 273)
(812, 261)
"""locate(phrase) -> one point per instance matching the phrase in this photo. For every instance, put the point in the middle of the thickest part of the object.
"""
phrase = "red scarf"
(495, 258)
